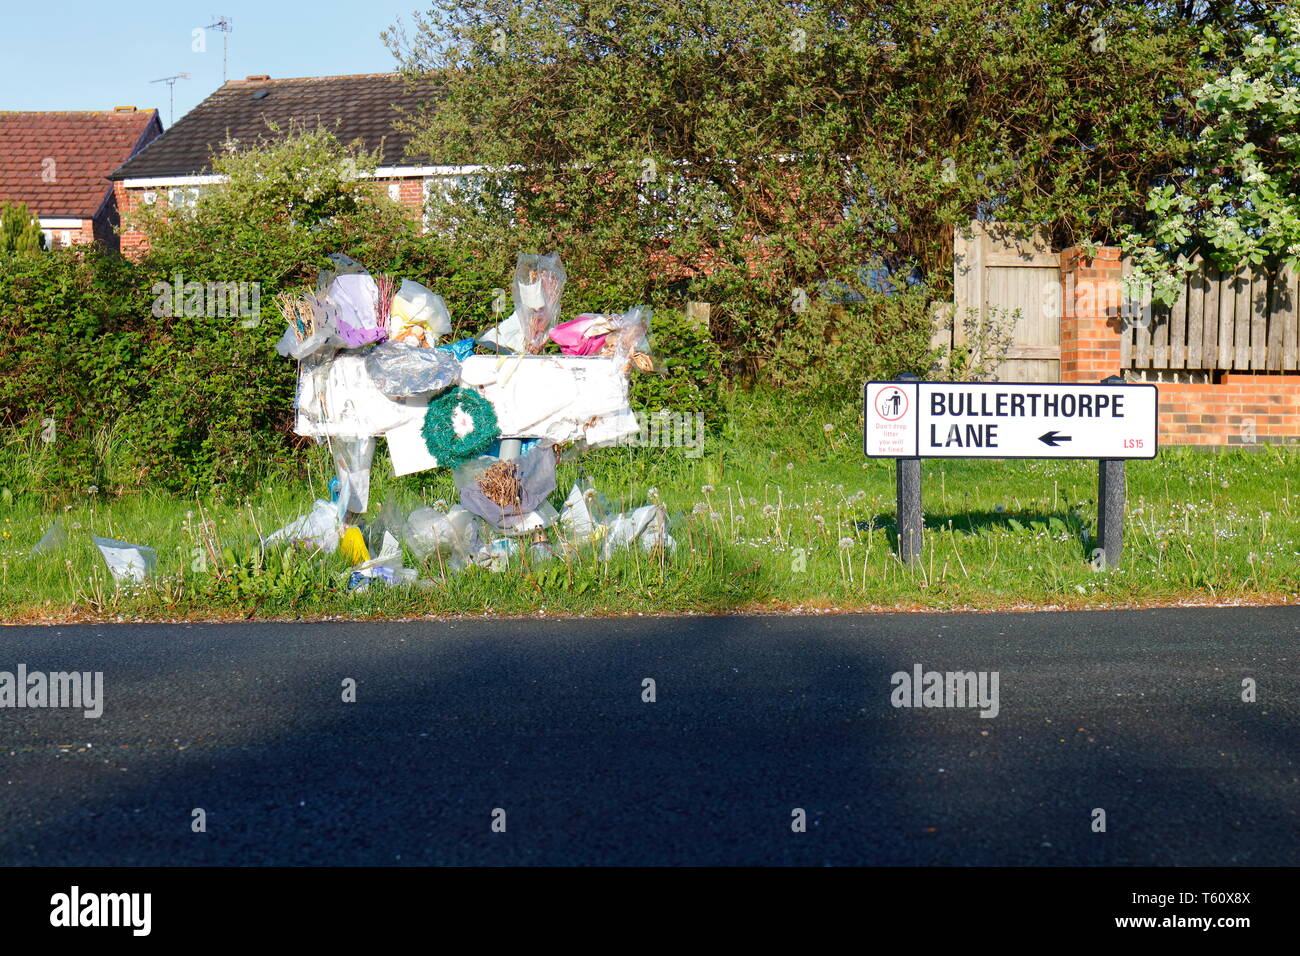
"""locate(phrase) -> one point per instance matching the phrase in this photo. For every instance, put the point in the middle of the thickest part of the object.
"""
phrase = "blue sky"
(92, 55)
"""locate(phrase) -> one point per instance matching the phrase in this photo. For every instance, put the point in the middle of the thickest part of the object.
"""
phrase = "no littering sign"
(1010, 420)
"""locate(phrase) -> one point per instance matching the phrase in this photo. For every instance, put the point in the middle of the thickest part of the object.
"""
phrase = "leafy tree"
(780, 159)
(20, 231)
(1238, 199)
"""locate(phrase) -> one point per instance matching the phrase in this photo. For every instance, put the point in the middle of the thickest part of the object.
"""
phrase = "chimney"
(123, 109)
(259, 76)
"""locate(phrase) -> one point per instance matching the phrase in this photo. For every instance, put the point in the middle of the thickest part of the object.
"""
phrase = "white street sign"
(1009, 420)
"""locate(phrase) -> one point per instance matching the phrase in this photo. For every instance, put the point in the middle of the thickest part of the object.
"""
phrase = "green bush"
(20, 231)
(828, 350)
(692, 374)
(132, 392)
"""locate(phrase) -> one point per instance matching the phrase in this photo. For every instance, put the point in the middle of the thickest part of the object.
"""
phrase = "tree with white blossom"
(1237, 202)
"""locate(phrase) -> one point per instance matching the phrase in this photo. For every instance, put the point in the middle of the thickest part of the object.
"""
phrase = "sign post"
(908, 420)
(909, 522)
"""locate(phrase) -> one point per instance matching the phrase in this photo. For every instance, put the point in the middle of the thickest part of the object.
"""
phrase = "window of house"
(183, 197)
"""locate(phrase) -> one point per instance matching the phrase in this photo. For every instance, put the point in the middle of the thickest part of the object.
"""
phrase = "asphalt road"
(1135, 713)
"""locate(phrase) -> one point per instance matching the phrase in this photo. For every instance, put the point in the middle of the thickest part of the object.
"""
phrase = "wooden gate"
(998, 269)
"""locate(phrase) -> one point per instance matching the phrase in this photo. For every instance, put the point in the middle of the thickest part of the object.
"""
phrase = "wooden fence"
(1236, 321)
(1008, 272)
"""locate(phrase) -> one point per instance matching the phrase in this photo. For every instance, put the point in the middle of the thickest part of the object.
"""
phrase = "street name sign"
(1010, 420)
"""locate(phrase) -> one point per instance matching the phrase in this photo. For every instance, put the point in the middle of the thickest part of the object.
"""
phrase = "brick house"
(363, 107)
(58, 163)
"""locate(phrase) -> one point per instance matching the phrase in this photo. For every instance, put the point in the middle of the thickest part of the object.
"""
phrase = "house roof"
(365, 107)
(58, 163)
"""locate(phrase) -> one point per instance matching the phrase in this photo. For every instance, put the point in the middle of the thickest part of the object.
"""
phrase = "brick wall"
(1235, 408)
(409, 192)
(132, 242)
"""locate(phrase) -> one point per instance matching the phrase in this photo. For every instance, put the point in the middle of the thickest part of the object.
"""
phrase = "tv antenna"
(171, 92)
(225, 25)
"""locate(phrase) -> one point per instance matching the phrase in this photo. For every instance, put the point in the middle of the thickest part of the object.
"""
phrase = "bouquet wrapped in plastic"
(537, 286)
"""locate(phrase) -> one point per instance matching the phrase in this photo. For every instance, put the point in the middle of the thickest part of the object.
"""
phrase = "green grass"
(777, 513)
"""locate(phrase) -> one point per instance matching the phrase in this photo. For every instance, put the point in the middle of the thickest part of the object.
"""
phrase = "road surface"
(543, 725)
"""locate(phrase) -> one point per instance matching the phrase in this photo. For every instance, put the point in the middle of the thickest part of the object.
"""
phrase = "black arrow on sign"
(1053, 439)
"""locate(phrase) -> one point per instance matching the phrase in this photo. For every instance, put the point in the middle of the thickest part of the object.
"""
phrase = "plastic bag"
(311, 328)
(496, 554)
(543, 516)
(537, 287)
(356, 298)
(508, 337)
(629, 341)
(388, 521)
(452, 534)
(647, 524)
(319, 528)
(503, 492)
(418, 316)
(55, 537)
(584, 511)
(400, 370)
(352, 458)
(584, 335)
(386, 566)
(127, 562)
(462, 349)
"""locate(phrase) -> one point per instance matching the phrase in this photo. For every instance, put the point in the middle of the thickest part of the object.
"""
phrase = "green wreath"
(459, 425)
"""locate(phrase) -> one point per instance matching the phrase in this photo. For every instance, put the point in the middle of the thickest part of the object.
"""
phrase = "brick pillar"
(1090, 314)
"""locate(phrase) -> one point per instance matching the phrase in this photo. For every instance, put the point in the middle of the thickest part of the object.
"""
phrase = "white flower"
(462, 422)
(846, 543)
(828, 428)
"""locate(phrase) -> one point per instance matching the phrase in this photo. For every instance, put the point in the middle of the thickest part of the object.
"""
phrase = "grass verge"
(776, 514)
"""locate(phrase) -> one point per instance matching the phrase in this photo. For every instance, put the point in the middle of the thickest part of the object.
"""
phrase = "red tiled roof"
(84, 147)
(366, 107)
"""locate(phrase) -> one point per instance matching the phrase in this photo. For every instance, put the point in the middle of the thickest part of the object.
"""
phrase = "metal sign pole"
(1110, 501)
(1110, 509)
(907, 479)
(909, 521)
